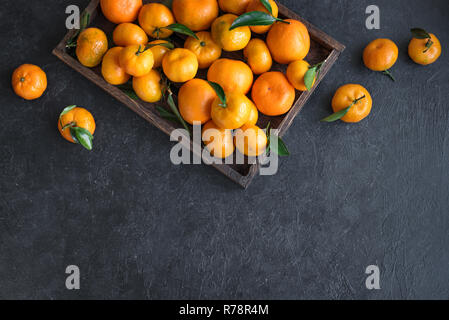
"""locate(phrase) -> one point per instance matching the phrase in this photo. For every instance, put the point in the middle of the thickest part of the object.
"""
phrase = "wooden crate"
(323, 47)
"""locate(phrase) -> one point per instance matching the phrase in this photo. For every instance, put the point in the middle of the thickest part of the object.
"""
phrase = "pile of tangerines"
(221, 103)
(144, 52)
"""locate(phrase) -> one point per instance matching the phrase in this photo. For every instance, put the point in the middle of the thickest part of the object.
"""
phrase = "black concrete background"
(139, 227)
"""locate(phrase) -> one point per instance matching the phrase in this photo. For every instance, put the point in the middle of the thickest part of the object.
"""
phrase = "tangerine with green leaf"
(136, 60)
(230, 40)
(205, 49)
(424, 48)
(380, 55)
(351, 103)
(256, 5)
(231, 111)
(77, 125)
(296, 72)
(154, 18)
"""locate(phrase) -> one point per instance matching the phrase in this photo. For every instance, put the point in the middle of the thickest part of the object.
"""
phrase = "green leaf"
(71, 43)
(174, 109)
(82, 136)
(84, 21)
(309, 77)
(168, 45)
(131, 94)
(267, 5)
(419, 33)
(337, 115)
(67, 110)
(312, 74)
(182, 29)
(164, 113)
(253, 18)
(127, 89)
(219, 91)
(340, 114)
(281, 149)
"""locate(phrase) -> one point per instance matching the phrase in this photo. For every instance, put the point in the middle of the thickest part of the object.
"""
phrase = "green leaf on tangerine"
(84, 21)
(340, 114)
(182, 29)
(253, 18)
(167, 45)
(267, 5)
(82, 136)
(219, 91)
(337, 115)
(419, 33)
(67, 110)
(309, 77)
(279, 148)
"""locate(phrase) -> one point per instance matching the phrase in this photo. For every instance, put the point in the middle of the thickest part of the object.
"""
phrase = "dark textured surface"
(139, 227)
